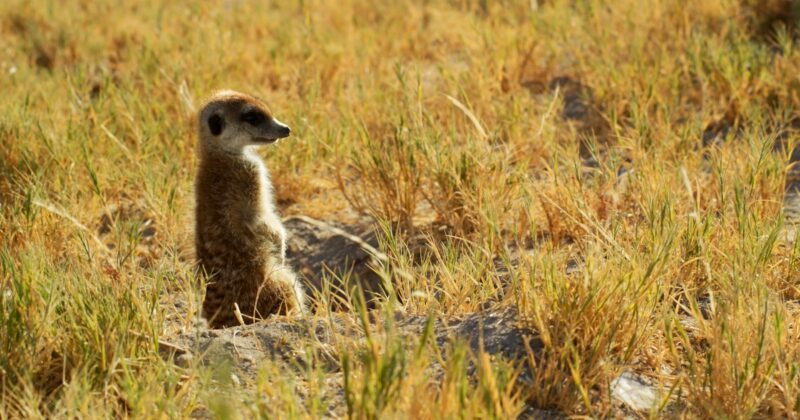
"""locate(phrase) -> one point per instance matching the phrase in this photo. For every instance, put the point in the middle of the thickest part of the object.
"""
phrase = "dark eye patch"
(216, 124)
(254, 117)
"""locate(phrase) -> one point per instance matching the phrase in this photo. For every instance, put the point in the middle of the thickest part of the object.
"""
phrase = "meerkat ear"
(216, 124)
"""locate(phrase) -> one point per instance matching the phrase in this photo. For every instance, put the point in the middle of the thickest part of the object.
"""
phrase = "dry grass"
(440, 118)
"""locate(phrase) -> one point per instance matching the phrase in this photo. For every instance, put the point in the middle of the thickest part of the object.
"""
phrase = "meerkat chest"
(265, 207)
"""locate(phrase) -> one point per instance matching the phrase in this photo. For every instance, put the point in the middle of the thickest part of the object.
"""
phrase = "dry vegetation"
(609, 168)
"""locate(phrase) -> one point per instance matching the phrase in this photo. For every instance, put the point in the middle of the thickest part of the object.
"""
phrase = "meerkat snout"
(280, 129)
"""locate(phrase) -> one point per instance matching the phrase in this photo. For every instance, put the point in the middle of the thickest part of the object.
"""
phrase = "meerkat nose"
(282, 129)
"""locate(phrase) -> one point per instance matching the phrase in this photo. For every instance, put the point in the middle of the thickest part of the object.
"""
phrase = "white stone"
(632, 391)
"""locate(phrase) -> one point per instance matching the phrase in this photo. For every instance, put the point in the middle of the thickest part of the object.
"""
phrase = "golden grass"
(439, 118)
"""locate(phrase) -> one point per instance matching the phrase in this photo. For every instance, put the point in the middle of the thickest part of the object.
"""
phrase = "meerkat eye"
(216, 124)
(254, 117)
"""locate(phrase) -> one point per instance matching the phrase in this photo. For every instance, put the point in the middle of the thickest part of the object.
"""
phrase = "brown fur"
(239, 239)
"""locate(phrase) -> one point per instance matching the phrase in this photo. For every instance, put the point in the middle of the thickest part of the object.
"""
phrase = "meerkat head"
(231, 121)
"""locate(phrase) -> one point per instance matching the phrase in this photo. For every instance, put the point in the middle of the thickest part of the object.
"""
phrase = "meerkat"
(239, 238)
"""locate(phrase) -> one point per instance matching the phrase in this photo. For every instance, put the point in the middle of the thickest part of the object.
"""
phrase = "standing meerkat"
(239, 238)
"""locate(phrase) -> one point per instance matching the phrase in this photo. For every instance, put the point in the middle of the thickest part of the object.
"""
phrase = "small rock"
(633, 391)
(184, 359)
(573, 267)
